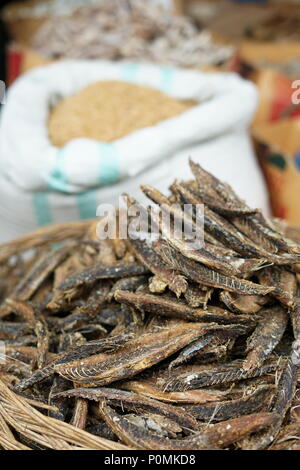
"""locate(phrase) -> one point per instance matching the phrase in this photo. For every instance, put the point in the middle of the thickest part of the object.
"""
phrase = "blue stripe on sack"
(87, 204)
(109, 173)
(166, 79)
(129, 72)
(58, 179)
(109, 170)
(41, 207)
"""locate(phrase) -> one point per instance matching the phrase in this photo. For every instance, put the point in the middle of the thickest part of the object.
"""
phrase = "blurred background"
(257, 41)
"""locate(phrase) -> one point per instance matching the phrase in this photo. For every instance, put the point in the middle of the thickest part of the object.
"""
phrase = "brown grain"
(109, 110)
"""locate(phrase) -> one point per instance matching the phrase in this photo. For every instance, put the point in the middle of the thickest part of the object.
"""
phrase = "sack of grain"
(41, 183)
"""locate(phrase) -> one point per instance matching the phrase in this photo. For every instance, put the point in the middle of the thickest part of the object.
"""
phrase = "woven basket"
(37, 429)
(21, 415)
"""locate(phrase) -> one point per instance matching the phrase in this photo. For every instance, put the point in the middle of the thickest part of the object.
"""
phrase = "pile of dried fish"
(44, 8)
(131, 29)
(152, 343)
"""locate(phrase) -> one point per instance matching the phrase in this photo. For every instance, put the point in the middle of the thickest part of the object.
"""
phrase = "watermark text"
(296, 93)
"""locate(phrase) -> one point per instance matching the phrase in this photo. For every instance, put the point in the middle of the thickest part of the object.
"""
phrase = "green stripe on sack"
(109, 171)
(87, 204)
(166, 79)
(58, 180)
(129, 72)
(41, 207)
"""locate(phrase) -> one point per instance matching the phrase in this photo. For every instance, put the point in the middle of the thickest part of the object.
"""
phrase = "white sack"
(42, 184)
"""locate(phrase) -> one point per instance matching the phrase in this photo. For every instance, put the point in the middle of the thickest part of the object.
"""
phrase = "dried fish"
(61, 403)
(43, 237)
(133, 434)
(169, 307)
(129, 283)
(24, 309)
(43, 339)
(284, 282)
(196, 253)
(216, 437)
(133, 30)
(89, 309)
(156, 285)
(136, 402)
(76, 321)
(11, 330)
(203, 275)
(27, 354)
(295, 318)
(39, 272)
(285, 389)
(294, 412)
(266, 336)
(129, 339)
(208, 376)
(219, 227)
(138, 355)
(216, 189)
(221, 411)
(189, 396)
(292, 444)
(96, 272)
(101, 429)
(93, 347)
(80, 413)
(226, 210)
(280, 403)
(196, 295)
(154, 263)
(94, 301)
(155, 423)
(244, 304)
(219, 350)
(260, 228)
(209, 341)
(287, 438)
(120, 247)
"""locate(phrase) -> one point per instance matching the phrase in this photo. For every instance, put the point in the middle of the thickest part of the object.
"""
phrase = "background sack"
(42, 184)
(276, 92)
(278, 147)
